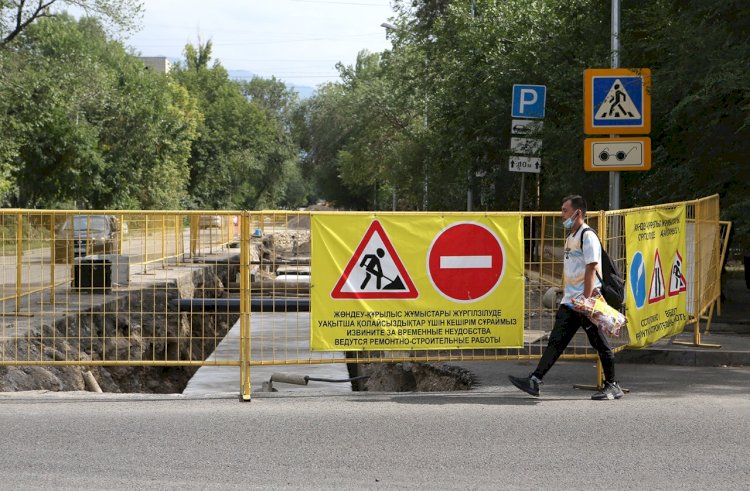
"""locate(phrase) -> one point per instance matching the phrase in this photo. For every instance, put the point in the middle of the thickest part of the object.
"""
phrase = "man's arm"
(588, 279)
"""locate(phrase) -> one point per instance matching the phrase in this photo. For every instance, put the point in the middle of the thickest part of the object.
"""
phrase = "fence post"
(53, 219)
(194, 231)
(145, 244)
(19, 259)
(245, 389)
(163, 241)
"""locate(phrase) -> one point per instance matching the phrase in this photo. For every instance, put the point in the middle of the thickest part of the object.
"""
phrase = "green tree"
(701, 103)
(17, 15)
(280, 103)
(243, 154)
(95, 127)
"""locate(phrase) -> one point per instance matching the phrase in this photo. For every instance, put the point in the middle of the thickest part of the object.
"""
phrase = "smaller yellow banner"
(656, 286)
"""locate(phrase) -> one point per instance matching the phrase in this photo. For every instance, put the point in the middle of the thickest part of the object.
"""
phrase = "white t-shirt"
(575, 262)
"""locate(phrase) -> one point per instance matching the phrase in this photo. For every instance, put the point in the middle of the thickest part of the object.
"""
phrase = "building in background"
(156, 63)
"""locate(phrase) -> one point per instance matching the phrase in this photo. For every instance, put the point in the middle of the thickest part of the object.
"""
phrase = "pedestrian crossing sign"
(617, 101)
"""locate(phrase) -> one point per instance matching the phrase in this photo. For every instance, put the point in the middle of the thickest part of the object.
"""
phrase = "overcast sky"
(298, 41)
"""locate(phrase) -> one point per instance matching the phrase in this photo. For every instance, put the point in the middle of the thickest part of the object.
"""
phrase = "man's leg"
(599, 342)
(364, 283)
(567, 322)
(610, 390)
(566, 325)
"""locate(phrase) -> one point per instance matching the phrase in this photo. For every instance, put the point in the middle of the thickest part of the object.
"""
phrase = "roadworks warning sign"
(375, 270)
(414, 282)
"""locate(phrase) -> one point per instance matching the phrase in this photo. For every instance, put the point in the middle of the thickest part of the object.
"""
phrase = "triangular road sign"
(677, 282)
(657, 291)
(617, 105)
(375, 271)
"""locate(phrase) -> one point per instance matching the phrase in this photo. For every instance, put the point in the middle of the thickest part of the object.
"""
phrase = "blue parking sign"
(528, 101)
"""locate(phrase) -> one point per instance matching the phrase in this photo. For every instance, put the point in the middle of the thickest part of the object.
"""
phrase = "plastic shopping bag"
(606, 318)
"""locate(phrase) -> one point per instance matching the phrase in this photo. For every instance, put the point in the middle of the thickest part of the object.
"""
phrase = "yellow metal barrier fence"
(112, 290)
(102, 290)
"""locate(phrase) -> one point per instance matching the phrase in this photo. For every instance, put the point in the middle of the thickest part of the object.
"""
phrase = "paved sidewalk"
(730, 330)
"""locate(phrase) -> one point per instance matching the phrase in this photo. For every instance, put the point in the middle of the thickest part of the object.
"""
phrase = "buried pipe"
(291, 378)
(90, 382)
(277, 304)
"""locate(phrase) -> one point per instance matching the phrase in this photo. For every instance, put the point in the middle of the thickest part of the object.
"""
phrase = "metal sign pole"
(614, 177)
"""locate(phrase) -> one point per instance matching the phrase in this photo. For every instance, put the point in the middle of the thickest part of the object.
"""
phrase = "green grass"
(9, 248)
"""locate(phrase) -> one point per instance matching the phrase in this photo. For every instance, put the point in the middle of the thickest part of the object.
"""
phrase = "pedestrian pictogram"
(657, 290)
(375, 271)
(617, 104)
(677, 282)
(617, 100)
(465, 262)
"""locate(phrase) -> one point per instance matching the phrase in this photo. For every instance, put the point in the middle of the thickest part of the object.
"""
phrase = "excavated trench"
(145, 324)
(410, 377)
(132, 325)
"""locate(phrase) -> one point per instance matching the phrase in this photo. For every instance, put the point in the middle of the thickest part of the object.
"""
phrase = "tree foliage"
(17, 15)
(435, 115)
(83, 123)
(244, 153)
(90, 125)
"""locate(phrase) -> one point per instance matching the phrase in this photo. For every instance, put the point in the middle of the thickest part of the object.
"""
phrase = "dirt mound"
(416, 377)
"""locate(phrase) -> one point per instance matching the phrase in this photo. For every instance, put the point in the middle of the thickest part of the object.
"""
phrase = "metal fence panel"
(162, 288)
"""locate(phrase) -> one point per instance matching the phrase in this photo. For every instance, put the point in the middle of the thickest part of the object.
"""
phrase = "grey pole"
(614, 177)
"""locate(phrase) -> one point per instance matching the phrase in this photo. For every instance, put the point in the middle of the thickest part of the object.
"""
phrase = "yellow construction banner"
(416, 281)
(657, 288)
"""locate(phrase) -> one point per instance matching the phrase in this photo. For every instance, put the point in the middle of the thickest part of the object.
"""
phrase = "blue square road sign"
(617, 101)
(528, 101)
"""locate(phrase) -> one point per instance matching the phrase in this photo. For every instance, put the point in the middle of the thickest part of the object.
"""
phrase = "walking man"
(581, 264)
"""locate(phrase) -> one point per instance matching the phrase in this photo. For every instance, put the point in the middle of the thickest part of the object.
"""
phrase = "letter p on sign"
(528, 101)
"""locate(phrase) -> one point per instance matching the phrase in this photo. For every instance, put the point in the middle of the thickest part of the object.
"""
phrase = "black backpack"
(613, 285)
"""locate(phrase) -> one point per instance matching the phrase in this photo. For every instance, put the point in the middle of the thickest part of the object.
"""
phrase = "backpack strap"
(600, 244)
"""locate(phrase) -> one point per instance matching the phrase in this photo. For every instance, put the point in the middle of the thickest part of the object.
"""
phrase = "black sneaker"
(610, 391)
(530, 385)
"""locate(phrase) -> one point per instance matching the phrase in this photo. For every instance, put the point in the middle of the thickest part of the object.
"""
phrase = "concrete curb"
(707, 357)
(734, 351)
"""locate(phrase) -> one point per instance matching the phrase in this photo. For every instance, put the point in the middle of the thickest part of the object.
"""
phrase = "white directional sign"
(525, 146)
(523, 127)
(525, 164)
(617, 154)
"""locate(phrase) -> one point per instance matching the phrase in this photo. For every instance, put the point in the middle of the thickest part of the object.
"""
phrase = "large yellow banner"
(416, 282)
(657, 288)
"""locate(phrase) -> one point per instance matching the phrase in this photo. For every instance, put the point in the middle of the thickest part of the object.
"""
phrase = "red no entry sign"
(465, 262)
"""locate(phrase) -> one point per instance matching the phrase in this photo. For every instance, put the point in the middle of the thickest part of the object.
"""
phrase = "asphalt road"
(680, 427)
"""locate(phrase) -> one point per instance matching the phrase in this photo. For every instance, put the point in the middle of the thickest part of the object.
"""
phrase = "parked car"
(83, 235)
(209, 221)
